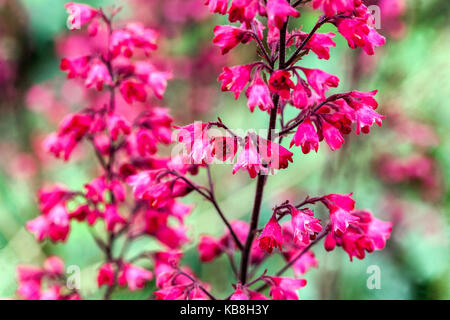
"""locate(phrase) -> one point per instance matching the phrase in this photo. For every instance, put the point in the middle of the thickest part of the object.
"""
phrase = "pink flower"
(284, 288)
(320, 81)
(133, 276)
(271, 236)
(75, 67)
(50, 197)
(117, 124)
(302, 264)
(80, 14)
(304, 225)
(239, 294)
(341, 219)
(344, 201)
(319, 43)
(258, 95)
(157, 81)
(97, 76)
(243, 10)
(54, 265)
(278, 11)
(106, 275)
(217, 6)
(113, 218)
(249, 160)
(306, 136)
(209, 248)
(359, 34)
(235, 78)
(276, 156)
(38, 227)
(58, 224)
(133, 91)
(300, 95)
(332, 136)
(224, 148)
(280, 82)
(332, 7)
(227, 37)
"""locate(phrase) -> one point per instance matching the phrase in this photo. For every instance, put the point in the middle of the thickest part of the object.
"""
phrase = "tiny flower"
(133, 276)
(235, 78)
(284, 288)
(332, 7)
(258, 95)
(280, 82)
(304, 225)
(209, 248)
(249, 160)
(106, 275)
(217, 6)
(243, 10)
(80, 14)
(133, 91)
(306, 136)
(278, 11)
(97, 76)
(300, 95)
(113, 218)
(117, 124)
(271, 236)
(227, 37)
(359, 34)
(332, 136)
(75, 67)
(320, 81)
(319, 43)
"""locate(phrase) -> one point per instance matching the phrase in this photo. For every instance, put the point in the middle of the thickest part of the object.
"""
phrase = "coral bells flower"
(259, 95)
(278, 11)
(306, 136)
(98, 75)
(332, 7)
(283, 288)
(133, 91)
(243, 10)
(228, 37)
(235, 78)
(280, 82)
(271, 236)
(75, 67)
(209, 248)
(80, 14)
(332, 136)
(319, 43)
(134, 277)
(274, 155)
(106, 275)
(320, 81)
(249, 160)
(359, 34)
(304, 225)
(217, 6)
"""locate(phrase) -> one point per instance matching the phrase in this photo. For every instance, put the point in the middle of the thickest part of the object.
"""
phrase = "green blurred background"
(412, 74)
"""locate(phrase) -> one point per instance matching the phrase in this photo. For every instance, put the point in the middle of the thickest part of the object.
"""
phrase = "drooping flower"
(278, 11)
(332, 136)
(80, 14)
(333, 7)
(235, 78)
(319, 43)
(320, 81)
(271, 236)
(75, 67)
(132, 90)
(258, 95)
(280, 82)
(134, 277)
(106, 275)
(306, 136)
(227, 37)
(97, 76)
(359, 34)
(209, 248)
(113, 218)
(217, 6)
(250, 160)
(243, 10)
(304, 225)
(284, 288)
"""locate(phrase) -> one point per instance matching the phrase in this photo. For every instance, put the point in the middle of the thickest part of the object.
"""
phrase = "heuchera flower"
(250, 160)
(80, 14)
(75, 67)
(284, 288)
(340, 206)
(271, 236)
(227, 37)
(320, 81)
(106, 275)
(134, 277)
(274, 155)
(235, 78)
(306, 136)
(300, 95)
(243, 10)
(304, 225)
(319, 43)
(280, 82)
(332, 7)
(278, 11)
(133, 91)
(258, 95)
(332, 136)
(97, 76)
(359, 34)
(209, 248)
(217, 6)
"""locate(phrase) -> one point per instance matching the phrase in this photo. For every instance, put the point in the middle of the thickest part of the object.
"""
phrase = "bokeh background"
(400, 171)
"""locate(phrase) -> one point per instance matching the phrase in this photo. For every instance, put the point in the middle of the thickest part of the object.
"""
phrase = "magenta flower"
(209, 248)
(80, 14)
(235, 78)
(249, 160)
(306, 136)
(278, 11)
(97, 76)
(332, 7)
(258, 95)
(243, 10)
(133, 91)
(227, 37)
(359, 34)
(75, 67)
(320, 81)
(280, 82)
(284, 288)
(304, 225)
(217, 6)
(271, 236)
(134, 277)
(106, 275)
(332, 136)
